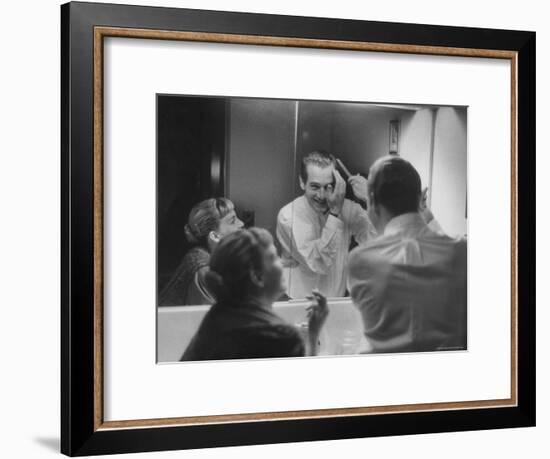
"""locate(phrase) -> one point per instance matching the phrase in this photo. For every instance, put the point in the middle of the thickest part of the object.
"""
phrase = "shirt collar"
(321, 217)
(405, 223)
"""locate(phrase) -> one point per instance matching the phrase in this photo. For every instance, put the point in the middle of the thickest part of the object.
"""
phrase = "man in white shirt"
(315, 229)
(409, 283)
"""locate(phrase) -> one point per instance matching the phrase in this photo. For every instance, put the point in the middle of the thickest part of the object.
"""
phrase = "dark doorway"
(191, 143)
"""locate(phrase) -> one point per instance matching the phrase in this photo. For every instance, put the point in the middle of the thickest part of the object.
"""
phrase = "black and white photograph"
(292, 228)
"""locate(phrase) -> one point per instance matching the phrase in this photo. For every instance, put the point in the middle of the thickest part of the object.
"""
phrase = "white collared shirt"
(315, 247)
(410, 287)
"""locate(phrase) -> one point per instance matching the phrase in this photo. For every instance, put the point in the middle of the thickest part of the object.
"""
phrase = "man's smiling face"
(319, 184)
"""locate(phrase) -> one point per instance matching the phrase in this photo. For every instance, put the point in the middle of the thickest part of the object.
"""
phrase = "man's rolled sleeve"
(361, 227)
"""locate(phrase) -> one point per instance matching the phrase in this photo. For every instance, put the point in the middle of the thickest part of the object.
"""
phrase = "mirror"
(251, 151)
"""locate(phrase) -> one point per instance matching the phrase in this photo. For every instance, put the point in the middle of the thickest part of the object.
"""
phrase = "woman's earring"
(215, 237)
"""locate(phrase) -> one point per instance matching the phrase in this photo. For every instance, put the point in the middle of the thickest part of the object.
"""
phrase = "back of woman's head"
(234, 259)
(205, 217)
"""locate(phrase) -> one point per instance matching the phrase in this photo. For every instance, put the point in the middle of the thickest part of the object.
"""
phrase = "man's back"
(410, 287)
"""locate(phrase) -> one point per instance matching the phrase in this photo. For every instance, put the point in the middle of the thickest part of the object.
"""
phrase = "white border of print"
(136, 388)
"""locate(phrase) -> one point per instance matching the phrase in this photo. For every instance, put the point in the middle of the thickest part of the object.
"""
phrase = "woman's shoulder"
(276, 339)
(175, 292)
(278, 330)
(246, 342)
(196, 253)
(194, 259)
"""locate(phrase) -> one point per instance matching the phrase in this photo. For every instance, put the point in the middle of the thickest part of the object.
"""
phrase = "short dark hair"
(318, 158)
(395, 184)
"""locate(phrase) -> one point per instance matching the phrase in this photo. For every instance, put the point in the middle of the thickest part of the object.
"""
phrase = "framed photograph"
(245, 260)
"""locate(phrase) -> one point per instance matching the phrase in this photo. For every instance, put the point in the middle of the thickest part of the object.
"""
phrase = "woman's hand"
(317, 314)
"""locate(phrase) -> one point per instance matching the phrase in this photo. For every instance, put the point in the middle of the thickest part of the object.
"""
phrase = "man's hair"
(395, 184)
(318, 158)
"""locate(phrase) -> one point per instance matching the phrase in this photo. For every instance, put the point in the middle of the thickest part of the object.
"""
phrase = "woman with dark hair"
(208, 222)
(246, 277)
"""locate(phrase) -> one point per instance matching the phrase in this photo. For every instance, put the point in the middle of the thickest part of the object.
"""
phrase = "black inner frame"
(77, 274)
